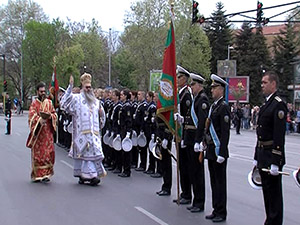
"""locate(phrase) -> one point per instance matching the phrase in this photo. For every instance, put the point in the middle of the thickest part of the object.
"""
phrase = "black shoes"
(124, 175)
(94, 181)
(156, 175)
(140, 169)
(218, 219)
(215, 218)
(149, 172)
(183, 201)
(46, 180)
(163, 193)
(116, 171)
(194, 209)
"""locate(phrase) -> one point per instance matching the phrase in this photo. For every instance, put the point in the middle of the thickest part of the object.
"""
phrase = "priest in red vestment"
(42, 123)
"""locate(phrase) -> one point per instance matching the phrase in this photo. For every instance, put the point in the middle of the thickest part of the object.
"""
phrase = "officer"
(185, 99)
(194, 126)
(8, 114)
(126, 128)
(269, 150)
(140, 127)
(217, 138)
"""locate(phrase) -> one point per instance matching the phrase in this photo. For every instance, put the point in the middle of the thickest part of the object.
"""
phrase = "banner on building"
(238, 89)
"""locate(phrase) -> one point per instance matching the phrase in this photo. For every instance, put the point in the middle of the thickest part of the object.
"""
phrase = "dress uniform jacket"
(125, 118)
(271, 133)
(139, 116)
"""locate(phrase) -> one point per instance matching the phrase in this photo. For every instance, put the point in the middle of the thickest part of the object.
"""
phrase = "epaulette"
(278, 99)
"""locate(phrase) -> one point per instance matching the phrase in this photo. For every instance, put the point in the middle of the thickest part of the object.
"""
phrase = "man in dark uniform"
(194, 126)
(150, 130)
(134, 150)
(164, 138)
(116, 129)
(8, 114)
(217, 138)
(140, 127)
(185, 100)
(106, 149)
(269, 150)
(126, 128)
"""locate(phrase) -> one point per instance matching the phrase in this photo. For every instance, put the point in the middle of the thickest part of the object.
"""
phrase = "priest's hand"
(43, 121)
(71, 82)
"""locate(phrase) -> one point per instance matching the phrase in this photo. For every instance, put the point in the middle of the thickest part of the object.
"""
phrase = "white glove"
(179, 118)
(182, 144)
(254, 162)
(128, 134)
(164, 143)
(152, 119)
(274, 170)
(196, 147)
(220, 159)
(152, 136)
(145, 118)
(112, 134)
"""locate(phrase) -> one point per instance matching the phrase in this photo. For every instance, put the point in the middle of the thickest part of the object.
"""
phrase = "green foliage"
(38, 52)
(286, 50)
(219, 35)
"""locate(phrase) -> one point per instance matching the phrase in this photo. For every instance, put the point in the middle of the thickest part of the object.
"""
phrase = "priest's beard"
(90, 96)
(42, 97)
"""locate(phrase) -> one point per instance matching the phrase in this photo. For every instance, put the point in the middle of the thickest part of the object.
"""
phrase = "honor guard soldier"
(8, 114)
(269, 150)
(140, 127)
(150, 132)
(134, 150)
(106, 149)
(185, 100)
(217, 138)
(194, 127)
(116, 129)
(126, 128)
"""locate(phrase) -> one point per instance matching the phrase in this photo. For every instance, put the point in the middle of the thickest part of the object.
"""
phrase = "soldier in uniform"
(185, 98)
(8, 114)
(126, 128)
(269, 150)
(194, 126)
(134, 150)
(217, 138)
(115, 128)
(140, 127)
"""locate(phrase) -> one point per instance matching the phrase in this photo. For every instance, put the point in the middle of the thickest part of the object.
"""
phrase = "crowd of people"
(121, 131)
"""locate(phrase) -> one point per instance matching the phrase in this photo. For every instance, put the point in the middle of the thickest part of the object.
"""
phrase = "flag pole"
(176, 123)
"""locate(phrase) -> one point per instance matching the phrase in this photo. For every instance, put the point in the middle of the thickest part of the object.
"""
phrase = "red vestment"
(40, 139)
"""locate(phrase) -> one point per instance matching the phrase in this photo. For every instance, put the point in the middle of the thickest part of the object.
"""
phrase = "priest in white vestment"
(88, 118)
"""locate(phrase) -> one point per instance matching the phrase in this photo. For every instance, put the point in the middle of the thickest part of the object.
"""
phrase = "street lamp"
(228, 51)
(109, 58)
(3, 56)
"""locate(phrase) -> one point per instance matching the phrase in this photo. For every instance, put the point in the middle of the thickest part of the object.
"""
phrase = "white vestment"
(86, 148)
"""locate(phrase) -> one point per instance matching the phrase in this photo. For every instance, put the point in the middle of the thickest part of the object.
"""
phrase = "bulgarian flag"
(167, 93)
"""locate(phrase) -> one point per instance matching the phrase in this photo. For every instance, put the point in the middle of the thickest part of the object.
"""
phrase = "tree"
(285, 52)
(219, 35)
(38, 52)
(13, 18)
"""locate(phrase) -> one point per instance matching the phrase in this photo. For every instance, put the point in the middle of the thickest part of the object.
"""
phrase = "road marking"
(150, 215)
(67, 164)
(17, 133)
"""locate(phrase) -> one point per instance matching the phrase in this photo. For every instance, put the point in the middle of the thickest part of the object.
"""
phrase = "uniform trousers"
(185, 182)
(217, 172)
(166, 164)
(272, 191)
(197, 177)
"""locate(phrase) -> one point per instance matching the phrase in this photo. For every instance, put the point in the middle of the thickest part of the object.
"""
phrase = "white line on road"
(67, 164)
(17, 133)
(151, 216)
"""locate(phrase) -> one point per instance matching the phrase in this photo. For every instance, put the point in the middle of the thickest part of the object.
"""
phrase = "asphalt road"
(127, 201)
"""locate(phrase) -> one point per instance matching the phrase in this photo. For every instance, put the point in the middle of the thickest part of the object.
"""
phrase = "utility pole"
(109, 58)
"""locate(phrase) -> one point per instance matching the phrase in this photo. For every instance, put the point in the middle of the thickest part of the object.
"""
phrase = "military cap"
(197, 78)
(217, 81)
(181, 71)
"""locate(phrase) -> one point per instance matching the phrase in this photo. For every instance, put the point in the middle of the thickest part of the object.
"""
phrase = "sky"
(110, 13)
